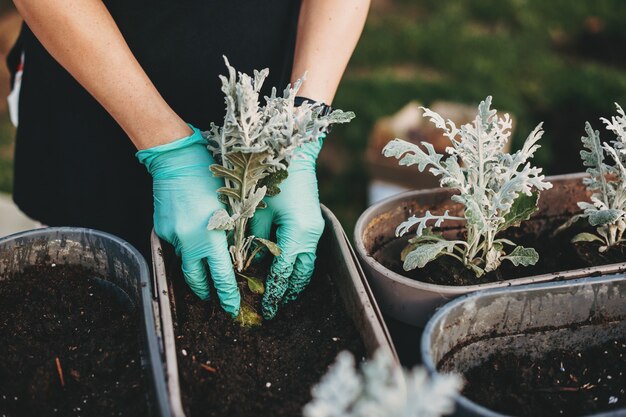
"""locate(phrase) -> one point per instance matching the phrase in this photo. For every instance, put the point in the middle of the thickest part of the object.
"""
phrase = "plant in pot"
(489, 228)
(567, 357)
(253, 149)
(229, 369)
(605, 211)
(497, 190)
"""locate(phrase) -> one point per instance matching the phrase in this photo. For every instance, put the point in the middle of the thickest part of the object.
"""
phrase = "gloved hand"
(185, 197)
(297, 214)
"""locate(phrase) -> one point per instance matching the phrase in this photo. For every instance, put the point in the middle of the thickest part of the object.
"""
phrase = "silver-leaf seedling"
(497, 190)
(253, 149)
(606, 166)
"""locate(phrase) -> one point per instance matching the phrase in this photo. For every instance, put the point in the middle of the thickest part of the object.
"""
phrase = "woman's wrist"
(158, 131)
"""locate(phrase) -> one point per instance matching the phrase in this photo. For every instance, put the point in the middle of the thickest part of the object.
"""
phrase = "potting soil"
(556, 253)
(563, 383)
(68, 347)
(227, 370)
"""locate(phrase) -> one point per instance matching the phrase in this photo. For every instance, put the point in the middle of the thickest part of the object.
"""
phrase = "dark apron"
(74, 166)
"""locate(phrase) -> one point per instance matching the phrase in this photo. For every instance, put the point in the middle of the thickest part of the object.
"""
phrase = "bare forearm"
(328, 31)
(82, 36)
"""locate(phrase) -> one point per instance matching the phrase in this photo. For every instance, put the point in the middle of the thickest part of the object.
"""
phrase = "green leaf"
(221, 220)
(248, 317)
(522, 256)
(223, 172)
(229, 192)
(271, 246)
(523, 207)
(247, 169)
(602, 217)
(586, 237)
(273, 180)
(427, 236)
(254, 284)
(425, 253)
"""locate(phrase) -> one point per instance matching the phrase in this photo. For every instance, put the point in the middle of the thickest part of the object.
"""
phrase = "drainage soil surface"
(54, 313)
(227, 370)
(563, 383)
(556, 253)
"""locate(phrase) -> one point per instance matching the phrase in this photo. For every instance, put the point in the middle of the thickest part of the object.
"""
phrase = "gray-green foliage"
(606, 182)
(254, 147)
(497, 189)
(381, 389)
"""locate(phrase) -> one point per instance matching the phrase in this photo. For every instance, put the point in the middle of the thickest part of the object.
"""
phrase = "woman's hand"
(185, 197)
(297, 214)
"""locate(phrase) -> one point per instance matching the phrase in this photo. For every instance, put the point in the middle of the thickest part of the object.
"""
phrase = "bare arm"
(328, 31)
(83, 37)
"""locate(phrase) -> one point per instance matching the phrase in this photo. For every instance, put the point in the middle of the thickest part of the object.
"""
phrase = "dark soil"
(55, 312)
(227, 370)
(556, 253)
(563, 383)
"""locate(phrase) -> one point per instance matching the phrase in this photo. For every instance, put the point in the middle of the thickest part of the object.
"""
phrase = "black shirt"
(74, 165)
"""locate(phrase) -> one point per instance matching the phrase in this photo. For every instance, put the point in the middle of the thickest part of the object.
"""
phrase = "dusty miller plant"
(381, 389)
(253, 149)
(497, 189)
(607, 184)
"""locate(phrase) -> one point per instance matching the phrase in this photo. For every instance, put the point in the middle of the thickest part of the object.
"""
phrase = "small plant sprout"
(381, 389)
(253, 149)
(607, 184)
(497, 190)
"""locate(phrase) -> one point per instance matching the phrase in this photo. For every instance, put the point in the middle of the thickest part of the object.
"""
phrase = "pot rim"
(365, 256)
(425, 341)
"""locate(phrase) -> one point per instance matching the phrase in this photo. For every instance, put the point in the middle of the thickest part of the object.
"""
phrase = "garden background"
(562, 62)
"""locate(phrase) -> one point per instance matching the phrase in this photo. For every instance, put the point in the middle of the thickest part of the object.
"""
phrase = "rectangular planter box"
(336, 254)
(110, 257)
(412, 301)
(529, 319)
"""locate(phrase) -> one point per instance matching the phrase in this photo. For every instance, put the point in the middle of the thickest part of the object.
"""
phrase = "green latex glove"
(297, 214)
(185, 197)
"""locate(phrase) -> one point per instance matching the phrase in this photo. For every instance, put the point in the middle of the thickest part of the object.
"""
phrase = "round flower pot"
(412, 301)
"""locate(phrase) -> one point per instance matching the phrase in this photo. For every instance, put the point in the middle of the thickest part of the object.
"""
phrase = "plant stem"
(240, 236)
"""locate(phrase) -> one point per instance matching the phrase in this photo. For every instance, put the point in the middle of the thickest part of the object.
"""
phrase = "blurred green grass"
(558, 62)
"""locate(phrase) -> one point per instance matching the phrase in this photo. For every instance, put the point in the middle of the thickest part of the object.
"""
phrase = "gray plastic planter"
(413, 302)
(335, 252)
(529, 319)
(110, 257)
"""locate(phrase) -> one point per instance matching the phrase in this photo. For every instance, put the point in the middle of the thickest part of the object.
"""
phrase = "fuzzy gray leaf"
(251, 203)
(602, 217)
(271, 246)
(522, 256)
(497, 189)
(425, 253)
(221, 220)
